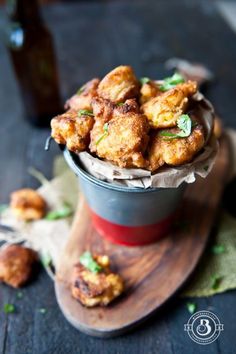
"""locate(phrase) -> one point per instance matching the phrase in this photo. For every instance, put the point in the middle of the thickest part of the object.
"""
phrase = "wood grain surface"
(153, 273)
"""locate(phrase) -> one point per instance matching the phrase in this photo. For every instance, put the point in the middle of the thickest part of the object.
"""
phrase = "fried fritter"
(119, 85)
(148, 91)
(93, 289)
(175, 151)
(72, 130)
(164, 110)
(27, 204)
(122, 140)
(16, 265)
(82, 100)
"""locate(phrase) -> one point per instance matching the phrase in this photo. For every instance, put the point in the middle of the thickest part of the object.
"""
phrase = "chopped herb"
(120, 104)
(216, 279)
(105, 128)
(19, 295)
(218, 249)
(46, 259)
(184, 123)
(9, 308)
(3, 207)
(206, 168)
(85, 112)
(170, 82)
(62, 213)
(144, 80)
(88, 262)
(191, 306)
(42, 311)
(80, 90)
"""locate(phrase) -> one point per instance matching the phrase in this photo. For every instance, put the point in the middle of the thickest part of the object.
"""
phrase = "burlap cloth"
(49, 237)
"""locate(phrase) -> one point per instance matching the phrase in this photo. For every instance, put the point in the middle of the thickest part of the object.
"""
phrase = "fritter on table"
(72, 128)
(97, 285)
(82, 99)
(119, 85)
(163, 111)
(121, 140)
(16, 265)
(27, 204)
(174, 151)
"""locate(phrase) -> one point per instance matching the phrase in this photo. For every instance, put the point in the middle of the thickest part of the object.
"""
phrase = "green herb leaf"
(88, 262)
(9, 308)
(46, 259)
(105, 128)
(120, 104)
(218, 249)
(19, 295)
(170, 82)
(62, 213)
(144, 80)
(184, 123)
(3, 207)
(215, 281)
(85, 112)
(191, 306)
(42, 311)
(80, 90)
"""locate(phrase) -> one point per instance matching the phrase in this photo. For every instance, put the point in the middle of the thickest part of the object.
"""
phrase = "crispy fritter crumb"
(148, 91)
(27, 204)
(82, 100)
(176, 151)
(119, 85)
(16, 265)
(163, 111)
(93, 289)
(72, 130)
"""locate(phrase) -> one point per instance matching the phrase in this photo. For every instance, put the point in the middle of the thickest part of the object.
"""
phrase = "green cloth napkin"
(216, 271)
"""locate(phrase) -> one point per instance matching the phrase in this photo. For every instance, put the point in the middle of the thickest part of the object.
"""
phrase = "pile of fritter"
(133, 123)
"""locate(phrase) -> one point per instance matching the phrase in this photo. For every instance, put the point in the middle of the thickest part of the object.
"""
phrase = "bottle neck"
(26, 12)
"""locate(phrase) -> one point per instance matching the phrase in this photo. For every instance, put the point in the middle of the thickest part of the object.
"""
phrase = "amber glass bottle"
(31, 50)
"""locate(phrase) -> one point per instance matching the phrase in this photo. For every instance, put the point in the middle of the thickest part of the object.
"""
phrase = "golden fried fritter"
(164, 110)
(27, 204)
(122, 140)
(82, 100)
(16, 265)
(119, 85)
(175, 151)
(72, 130)
(148, 91)
(93, 289)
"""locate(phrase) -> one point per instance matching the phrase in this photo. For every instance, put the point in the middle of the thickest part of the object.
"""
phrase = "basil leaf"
(184, 123)
(170, 82)
(215, 281)
(144, 80)
(9, 308)
(191, 306)
(64, 212)
(218, 249)
(105, 128)
(88, 262)
(85, 112)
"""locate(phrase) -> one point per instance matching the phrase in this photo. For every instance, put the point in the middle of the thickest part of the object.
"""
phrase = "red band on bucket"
(131, 235)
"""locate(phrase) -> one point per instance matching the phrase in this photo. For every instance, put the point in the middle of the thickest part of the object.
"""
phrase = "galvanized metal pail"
(129, 216)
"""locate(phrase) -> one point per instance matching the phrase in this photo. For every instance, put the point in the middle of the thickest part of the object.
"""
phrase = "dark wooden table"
(91, 38)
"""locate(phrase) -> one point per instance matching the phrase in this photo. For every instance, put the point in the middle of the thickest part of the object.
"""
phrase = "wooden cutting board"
(152, 273)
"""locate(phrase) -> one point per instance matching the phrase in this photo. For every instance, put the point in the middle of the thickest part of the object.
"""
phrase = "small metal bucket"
(124, 215)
